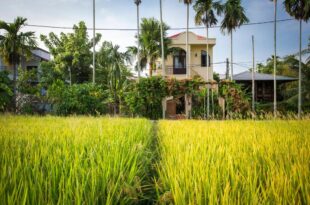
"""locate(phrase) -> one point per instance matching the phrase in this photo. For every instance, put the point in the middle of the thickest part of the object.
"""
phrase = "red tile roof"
(178, 34)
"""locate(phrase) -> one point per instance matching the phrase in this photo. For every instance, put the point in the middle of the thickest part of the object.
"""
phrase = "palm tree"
(150, 41)
(187, 2)
(138, 2)
(113, 63)
(15, 44)
(300, 10)
(205, 14)
(234, 16)
(275, 61)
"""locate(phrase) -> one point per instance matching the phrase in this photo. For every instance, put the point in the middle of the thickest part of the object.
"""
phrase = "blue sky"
(122, 14)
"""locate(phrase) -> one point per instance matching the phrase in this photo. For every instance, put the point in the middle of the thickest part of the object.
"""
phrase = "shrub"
(6, 91)
(77, 99)
(145, 97)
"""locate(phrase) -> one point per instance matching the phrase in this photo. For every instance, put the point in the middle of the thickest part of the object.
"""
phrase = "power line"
(133, 29)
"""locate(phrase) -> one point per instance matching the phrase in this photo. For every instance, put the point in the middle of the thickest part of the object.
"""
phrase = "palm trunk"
(275, 62)
(231, 55)
(94, 41)
(187, 54)
(15, 86)
(299, 72)
(208, 66)
(138, 37)
(151, 69)
(162, 41)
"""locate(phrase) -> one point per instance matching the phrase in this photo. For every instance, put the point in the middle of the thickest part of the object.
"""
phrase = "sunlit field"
(76, 160)
(234, 162)
(88, 160)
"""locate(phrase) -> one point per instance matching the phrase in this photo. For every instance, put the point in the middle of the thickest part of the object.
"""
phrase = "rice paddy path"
(149, 184)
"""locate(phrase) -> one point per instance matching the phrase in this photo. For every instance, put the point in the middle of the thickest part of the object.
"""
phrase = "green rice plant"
(234, 162)
(76, 160)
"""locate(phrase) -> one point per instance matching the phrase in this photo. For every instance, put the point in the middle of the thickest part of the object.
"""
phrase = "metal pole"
(275, 62)
(162, 41)
(137, 2)
(94, 41)
(253, 76)
(299, 74)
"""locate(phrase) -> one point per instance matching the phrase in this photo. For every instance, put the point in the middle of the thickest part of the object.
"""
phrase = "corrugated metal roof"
(247, 76)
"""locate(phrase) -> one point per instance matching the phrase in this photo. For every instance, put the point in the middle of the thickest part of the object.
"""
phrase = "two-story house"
(177, 67)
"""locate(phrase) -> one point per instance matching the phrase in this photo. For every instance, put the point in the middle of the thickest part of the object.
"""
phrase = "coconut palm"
(234, 16)
(150, 41)
(187, 2)
(138, 2)
(15, 44)
(206, 11)
(300, 10)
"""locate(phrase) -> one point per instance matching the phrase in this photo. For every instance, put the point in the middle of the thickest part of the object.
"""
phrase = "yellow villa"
(177, 67)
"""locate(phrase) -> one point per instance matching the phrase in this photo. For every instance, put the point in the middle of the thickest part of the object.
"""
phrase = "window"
(179, 59)
(204, 59)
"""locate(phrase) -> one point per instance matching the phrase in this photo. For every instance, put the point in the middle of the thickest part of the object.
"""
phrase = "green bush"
(145, 97)
(6, 91)
(77, 99)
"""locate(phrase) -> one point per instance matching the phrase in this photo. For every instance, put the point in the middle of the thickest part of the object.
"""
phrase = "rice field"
(234, 162)
(78, 160)
(88, 160)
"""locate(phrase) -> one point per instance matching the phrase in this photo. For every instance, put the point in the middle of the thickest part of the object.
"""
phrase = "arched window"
(204, 59)
(179, 61)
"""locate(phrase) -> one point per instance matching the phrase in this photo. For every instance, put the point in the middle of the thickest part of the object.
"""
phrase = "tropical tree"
(113, 71)
(72, 54)
(234, 16)
(206, 11)
(300, 10)
(150, 40)
(15, 44)
(187, 2)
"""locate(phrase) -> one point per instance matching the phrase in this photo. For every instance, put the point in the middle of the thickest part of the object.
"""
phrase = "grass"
(234, 162)
(78, 160)
(86, 160)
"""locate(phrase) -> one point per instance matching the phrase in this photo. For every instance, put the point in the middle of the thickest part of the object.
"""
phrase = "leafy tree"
(72, 54)
(27, 82)
(234, 16)
(15, 44)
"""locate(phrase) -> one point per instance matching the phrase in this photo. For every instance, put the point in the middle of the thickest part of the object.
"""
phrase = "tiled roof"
(247, 76)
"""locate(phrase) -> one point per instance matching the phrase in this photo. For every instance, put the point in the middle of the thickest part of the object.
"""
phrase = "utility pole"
(94, 41)
(253, 77)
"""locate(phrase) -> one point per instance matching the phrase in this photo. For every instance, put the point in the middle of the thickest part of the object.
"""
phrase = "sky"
(122, 14)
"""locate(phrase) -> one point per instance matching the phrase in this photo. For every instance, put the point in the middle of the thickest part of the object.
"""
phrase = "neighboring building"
(38, 55)
(263, 84)
(177, 67)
